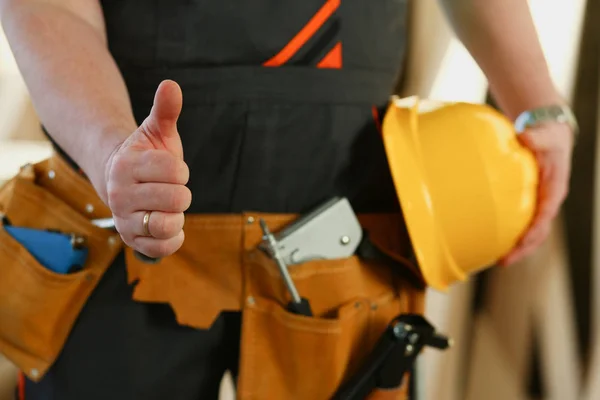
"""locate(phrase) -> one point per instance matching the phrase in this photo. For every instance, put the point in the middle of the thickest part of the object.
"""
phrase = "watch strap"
(553, 113)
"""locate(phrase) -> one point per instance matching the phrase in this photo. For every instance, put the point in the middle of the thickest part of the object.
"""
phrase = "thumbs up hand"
(146, 177)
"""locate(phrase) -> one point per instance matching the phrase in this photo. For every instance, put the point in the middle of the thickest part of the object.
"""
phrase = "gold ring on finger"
(146, 223)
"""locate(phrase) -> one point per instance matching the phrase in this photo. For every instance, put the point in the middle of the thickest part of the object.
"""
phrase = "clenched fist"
(146, 173)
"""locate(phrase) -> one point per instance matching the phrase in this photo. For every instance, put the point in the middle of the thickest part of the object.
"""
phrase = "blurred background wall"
(524, 332)
(21, 138)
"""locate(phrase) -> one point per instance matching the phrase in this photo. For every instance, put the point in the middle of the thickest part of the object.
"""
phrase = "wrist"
(517, 96)
(99, 151)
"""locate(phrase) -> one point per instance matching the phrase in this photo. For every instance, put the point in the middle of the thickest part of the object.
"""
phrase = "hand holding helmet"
(552, 145)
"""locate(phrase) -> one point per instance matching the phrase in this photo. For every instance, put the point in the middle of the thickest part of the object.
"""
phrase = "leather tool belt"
(219, 267)
(38, 307)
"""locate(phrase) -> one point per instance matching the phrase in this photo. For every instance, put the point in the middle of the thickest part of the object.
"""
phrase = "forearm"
(74, 83)
(501, 37)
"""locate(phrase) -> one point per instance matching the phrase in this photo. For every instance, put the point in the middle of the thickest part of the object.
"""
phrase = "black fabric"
(215, 33)
(124, 350)
(290, 84)
(276, 155)
(368, 251)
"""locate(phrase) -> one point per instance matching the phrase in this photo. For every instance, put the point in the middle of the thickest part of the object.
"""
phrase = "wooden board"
(591, 390)
(492, 375)
(8, 379)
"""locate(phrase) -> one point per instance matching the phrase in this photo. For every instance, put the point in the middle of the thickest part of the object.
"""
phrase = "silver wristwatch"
(554, 113)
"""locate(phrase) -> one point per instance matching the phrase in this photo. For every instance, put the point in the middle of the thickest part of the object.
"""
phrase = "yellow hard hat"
(467, 187)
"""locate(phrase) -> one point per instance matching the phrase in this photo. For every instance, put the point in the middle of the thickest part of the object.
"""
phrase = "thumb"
(161, 124)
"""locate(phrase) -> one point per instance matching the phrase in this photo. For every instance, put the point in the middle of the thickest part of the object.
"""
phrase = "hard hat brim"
(400, 135)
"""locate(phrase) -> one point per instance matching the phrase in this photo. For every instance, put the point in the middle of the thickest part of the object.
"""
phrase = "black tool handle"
(302, 308)
(439, 342)
(365, 380)
(145, 258)
(393, 356)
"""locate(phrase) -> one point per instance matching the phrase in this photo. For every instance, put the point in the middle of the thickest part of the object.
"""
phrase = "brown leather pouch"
(283, 355)
(37, 306)
(203, 278)
(289, 356)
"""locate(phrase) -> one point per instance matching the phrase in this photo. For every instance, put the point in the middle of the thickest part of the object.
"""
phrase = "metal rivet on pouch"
(251, 300)
(89, 208)
(373, 306)
(345, 240)
(397, 331)
(112, 240)
(357, 304)
(89, 277)
(250, 220)
(51, 174)
(35, 373)
(413, 338)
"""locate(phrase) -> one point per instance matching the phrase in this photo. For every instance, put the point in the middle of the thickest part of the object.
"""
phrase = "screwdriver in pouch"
(298, 305)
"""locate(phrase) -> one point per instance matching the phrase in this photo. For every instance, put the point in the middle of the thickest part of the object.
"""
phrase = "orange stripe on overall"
(304, 35)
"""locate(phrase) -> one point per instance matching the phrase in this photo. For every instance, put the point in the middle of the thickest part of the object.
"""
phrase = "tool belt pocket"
(38, 306)
(290, 356)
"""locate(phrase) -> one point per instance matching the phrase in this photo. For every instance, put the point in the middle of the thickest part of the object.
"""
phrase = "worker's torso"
(278, 94)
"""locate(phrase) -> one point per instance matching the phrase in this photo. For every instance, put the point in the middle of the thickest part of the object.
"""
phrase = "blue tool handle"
(53, 250)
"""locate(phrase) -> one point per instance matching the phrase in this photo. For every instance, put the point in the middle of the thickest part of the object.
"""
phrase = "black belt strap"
(406, 268)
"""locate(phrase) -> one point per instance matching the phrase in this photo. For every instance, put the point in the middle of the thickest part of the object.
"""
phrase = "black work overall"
(282, 100)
